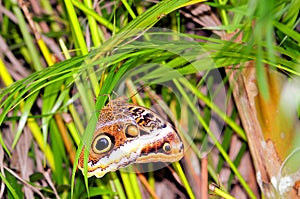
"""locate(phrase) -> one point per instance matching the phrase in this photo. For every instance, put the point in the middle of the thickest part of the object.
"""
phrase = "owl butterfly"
(127, 134)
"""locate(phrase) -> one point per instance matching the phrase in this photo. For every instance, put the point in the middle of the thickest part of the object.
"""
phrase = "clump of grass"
(61, 60)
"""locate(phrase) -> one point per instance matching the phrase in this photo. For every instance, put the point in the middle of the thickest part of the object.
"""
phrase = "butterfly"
(126, 134)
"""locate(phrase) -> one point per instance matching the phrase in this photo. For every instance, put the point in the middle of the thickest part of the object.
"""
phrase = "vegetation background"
(57, 57)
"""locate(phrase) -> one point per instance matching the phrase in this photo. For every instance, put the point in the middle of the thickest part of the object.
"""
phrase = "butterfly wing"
(161, 141)
(127, 134)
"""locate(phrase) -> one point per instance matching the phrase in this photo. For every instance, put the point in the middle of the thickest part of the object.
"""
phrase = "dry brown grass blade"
(147, 185)
(23, 161)
(32, 188)
(191, 163)
(65, 136)
(204, 177)
(51, 183)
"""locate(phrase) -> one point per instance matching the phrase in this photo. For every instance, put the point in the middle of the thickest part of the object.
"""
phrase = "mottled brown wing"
(127, 134)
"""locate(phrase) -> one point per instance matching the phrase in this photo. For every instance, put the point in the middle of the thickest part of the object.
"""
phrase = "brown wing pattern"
(127, 134)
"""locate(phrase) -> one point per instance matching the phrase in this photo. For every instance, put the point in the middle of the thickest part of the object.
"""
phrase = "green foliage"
(161, 61)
